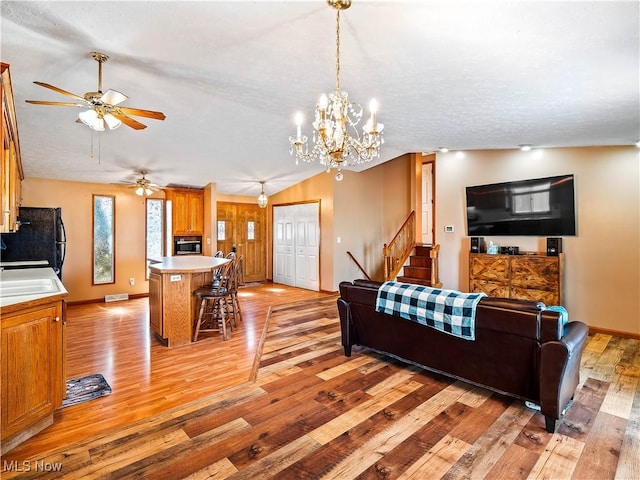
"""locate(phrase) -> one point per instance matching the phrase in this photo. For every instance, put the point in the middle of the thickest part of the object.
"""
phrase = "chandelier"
(262, 198)
(337, 142)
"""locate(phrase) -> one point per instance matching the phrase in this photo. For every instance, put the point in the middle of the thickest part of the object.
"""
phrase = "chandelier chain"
(337, 50)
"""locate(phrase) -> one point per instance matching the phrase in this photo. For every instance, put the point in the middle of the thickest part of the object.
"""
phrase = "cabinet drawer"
(535, 272)
(545, 296)
(492, 289)
(489, 267)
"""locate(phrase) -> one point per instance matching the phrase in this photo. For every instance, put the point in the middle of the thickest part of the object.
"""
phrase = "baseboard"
(132, 296)
(613, 333)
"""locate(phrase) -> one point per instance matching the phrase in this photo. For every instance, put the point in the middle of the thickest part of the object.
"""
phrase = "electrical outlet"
(132, 281)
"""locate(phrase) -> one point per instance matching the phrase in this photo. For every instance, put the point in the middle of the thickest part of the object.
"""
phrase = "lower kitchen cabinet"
(32, 382)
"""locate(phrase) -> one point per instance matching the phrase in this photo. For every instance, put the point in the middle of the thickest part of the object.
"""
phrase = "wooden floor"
(309, 412)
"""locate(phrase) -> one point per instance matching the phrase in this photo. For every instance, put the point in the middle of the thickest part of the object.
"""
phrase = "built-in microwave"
(188, 245)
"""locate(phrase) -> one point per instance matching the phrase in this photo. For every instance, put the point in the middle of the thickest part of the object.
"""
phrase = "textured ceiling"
(230, 75)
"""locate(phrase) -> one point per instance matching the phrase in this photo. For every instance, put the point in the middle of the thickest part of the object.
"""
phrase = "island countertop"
(186, 264)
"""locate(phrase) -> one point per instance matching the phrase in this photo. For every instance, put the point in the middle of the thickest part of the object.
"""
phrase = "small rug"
(86, 388)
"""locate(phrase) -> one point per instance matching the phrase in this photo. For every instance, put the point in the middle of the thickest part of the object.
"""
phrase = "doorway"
(242, 226)
(296, 245)
(428, 205)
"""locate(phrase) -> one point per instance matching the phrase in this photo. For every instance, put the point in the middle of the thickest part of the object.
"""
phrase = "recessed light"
(525, 147)
(443, 149)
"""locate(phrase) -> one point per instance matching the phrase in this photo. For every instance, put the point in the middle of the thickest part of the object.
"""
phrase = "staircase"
(423, 264)
(420, 271)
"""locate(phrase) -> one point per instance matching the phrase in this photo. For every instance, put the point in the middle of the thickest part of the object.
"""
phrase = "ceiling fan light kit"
(102, 107)
(336, 139)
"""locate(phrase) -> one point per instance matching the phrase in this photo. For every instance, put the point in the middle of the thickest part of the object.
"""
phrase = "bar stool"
(216, 311)
(237, 279)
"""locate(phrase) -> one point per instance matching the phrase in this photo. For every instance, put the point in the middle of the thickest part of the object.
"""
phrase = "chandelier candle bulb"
(298, 125)
(373, 107)
(324, 102)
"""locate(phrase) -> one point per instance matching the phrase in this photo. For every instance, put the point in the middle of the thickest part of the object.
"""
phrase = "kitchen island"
(172, 305)
(32, 383)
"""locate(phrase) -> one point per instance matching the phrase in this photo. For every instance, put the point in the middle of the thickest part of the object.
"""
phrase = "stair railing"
(399, 249)
(366, 275)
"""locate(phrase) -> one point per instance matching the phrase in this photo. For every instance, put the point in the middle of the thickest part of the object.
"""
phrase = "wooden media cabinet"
(526, 277)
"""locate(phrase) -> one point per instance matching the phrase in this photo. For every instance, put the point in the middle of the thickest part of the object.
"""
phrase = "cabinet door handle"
(57, 319)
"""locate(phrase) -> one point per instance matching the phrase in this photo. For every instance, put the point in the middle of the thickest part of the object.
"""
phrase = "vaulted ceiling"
(229, 77)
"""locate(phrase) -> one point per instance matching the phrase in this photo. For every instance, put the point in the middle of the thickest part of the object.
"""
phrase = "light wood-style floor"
(309, 412)
(114, 339)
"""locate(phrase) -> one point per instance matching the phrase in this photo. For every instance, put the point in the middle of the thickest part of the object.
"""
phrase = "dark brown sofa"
(520, 349)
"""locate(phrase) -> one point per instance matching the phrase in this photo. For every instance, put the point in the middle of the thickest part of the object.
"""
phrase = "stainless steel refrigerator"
(41, 237)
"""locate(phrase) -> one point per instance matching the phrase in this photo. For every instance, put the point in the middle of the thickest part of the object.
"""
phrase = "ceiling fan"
(102, 107)
(143, 186)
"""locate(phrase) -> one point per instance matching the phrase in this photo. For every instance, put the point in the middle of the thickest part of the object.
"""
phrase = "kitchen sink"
(11, 288)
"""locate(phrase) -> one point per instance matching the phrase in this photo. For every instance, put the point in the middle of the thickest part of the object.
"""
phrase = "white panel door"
(296, 241)
(283, 243)
(307, 246)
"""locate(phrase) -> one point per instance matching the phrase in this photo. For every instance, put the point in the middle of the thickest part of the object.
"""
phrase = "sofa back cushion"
(524, 318)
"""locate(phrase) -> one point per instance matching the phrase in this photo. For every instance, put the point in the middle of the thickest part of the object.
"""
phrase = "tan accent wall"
(602, 263)
(75, 199)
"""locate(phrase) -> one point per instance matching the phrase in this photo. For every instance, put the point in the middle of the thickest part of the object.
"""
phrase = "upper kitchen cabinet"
(10, 163)
(187, 207)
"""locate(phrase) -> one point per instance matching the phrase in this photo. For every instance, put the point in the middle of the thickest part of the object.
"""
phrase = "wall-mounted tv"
(542, 206)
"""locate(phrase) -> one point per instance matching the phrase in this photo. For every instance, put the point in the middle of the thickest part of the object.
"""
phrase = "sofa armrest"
(560, 371)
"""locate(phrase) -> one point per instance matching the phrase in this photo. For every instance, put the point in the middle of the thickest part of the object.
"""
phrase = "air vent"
(116, 297)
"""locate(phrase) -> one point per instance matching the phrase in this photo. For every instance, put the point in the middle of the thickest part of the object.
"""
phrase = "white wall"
(602, 262)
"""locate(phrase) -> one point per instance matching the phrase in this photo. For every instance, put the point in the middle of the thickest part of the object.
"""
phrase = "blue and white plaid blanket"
(449, 311)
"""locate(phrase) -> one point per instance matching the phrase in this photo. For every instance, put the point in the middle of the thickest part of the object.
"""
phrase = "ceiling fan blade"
(57, 104)
(113, 97)
(142, 113)
(59, 90)
(129, 121)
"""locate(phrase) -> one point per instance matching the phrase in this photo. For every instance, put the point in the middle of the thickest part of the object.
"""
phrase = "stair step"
(416, 261)
(415, 281)
(422, 250)
(417, 272)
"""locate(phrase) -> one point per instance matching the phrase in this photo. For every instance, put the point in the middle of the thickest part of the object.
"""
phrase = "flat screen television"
(542, 206)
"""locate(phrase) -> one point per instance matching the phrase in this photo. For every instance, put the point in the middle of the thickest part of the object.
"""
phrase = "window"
(155, 230)
(104, 213)
(222, 230)
(251, 231)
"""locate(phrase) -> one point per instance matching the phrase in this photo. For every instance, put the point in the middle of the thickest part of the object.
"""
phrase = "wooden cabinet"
(526, 277)
(10, 163)
(187, 211)
(32, 379)
(172, 305)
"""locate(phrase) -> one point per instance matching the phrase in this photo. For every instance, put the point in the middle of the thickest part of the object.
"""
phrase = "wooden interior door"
(245, 226)
(226, 213)
(251, 232)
